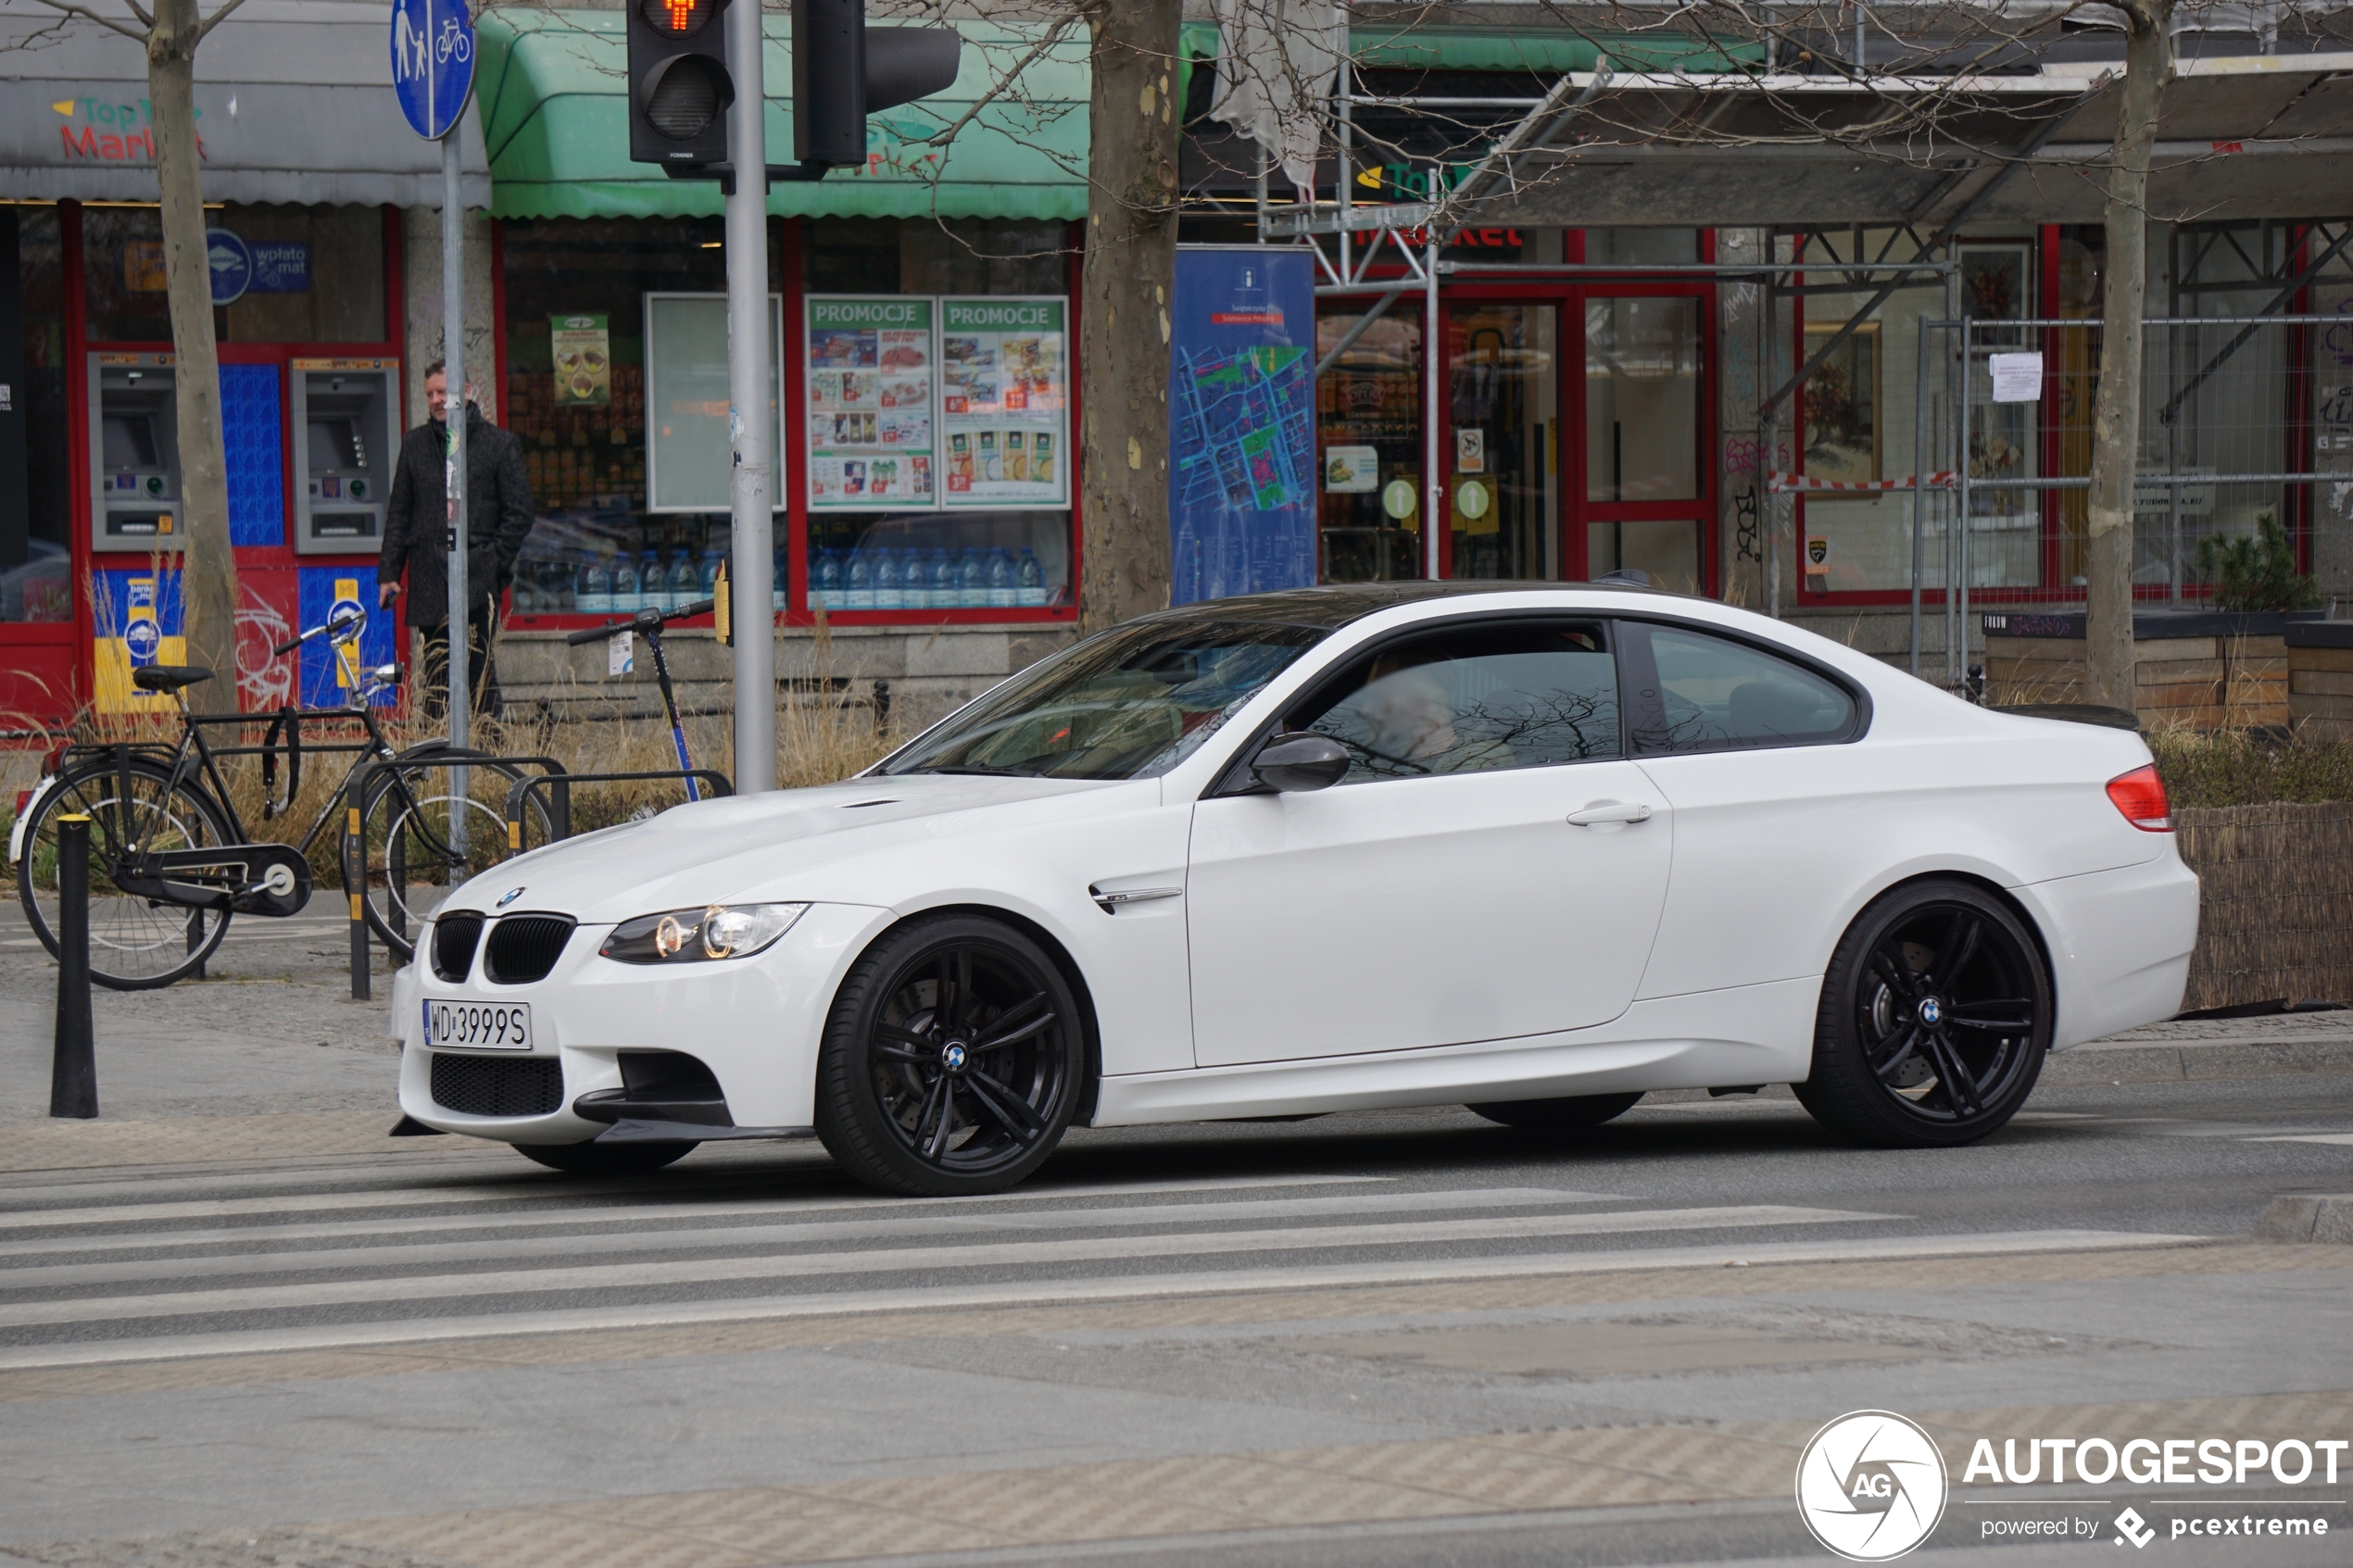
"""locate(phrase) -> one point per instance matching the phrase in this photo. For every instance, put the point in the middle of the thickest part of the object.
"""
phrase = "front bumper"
(755, 1023)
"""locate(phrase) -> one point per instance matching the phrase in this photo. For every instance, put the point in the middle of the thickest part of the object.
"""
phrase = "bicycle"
(172, 861)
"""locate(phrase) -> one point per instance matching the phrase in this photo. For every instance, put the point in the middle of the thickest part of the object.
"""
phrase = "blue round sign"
(433, 63)
(230, 261)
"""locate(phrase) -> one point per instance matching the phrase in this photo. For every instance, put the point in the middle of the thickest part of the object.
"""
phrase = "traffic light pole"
(751, 424)
(453, 354)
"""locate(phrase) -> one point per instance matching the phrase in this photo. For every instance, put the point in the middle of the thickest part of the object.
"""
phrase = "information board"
(689, 458)
(1005, 401)
(870, 372)
(1241, 423)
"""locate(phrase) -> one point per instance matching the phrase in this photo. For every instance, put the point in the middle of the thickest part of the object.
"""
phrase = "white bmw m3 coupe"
(1538, 849)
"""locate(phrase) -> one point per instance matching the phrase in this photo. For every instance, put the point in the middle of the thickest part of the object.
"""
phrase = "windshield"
(1129, 704)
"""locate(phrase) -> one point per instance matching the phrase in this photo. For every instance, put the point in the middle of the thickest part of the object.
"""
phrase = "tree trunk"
(1129, 274)
(208, 568)
(2115, 417)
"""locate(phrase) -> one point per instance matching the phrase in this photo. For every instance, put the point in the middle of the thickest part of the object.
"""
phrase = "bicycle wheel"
(135, 944)
(413, 863)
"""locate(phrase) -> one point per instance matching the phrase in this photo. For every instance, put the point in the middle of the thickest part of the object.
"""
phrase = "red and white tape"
(1779, 483)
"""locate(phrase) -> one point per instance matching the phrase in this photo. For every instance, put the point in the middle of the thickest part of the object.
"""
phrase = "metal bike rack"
(559, 797)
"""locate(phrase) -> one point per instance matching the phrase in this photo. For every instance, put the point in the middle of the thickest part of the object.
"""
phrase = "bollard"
(355, 880)
(73, 1069)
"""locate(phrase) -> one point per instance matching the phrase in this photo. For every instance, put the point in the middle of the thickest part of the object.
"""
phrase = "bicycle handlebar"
(643, 621)
(342, 628)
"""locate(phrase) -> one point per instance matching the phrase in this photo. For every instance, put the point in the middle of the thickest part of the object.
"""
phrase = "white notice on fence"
(2017, 377)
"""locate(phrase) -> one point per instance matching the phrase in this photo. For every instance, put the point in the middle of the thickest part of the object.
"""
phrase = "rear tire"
(1573, 1113)
(134, 945)
(1936, 1013)
(605, 1159)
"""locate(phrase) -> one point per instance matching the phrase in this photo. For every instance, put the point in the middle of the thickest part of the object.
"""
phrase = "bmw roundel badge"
(508, 896)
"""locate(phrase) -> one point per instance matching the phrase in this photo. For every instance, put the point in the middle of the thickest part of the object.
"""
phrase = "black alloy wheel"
(1935, 1016)
(1570, 1114)
(953, 1059)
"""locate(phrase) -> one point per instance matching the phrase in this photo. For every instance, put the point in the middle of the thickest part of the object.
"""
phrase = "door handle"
(1610, 811)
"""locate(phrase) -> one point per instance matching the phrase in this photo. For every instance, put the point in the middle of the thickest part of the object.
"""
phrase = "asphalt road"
(1407, 1337)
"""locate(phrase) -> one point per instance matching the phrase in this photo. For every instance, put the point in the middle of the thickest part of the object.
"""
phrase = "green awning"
(552, 91)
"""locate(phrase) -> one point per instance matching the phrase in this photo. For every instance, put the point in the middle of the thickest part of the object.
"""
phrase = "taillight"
(2140, 795)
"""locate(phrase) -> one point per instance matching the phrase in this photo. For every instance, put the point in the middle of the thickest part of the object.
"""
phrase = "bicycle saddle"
(168, 677)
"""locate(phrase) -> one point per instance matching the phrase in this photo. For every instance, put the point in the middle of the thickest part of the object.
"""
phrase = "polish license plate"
(478, 1026)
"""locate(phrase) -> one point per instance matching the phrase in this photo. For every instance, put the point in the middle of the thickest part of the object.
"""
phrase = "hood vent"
(525, 948)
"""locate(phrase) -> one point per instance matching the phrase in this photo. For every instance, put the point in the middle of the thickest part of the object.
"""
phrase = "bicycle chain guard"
(243, 879)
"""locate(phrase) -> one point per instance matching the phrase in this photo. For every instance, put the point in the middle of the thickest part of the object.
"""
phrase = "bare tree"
(1127, 283)
(171, 32)
(2115, 417)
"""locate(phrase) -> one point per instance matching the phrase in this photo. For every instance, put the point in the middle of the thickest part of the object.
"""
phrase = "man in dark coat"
(499, 518)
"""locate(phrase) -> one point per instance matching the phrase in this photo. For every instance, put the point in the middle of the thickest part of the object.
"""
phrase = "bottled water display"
(1029, 582)
(595, 593)
(887, 580)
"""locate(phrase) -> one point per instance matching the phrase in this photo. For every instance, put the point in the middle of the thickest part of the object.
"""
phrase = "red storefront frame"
(793, 516)
(49, 675)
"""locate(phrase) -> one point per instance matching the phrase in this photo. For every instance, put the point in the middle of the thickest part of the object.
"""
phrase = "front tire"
(952, 1061)
(1573, 1113)
(135, 945)
(605, 1159)
(1936, 1013)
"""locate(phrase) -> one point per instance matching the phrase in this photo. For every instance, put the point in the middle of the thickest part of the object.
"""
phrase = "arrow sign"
(433, 63)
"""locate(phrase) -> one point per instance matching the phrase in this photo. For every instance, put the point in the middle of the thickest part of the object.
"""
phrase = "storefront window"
(1641, 247)
(1642, 384)
(122, 272)
(317, 274)
(934, 372)
(1368, 448)
(576, 400)
(35, 574)
(1859, 424)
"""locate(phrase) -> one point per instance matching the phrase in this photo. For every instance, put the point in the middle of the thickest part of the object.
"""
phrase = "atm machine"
(347, 440)
(135, 454)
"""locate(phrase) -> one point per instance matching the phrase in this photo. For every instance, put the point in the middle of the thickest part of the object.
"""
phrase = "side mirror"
(1300, 761)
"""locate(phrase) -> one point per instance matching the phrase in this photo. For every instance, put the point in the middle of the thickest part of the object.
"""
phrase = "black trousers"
(432, 697)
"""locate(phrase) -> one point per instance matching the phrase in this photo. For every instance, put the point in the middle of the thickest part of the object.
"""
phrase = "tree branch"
(68, 7)
(1053, 36)
(212, 21)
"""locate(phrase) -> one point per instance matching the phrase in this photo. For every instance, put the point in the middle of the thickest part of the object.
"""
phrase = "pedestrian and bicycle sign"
(433, 63)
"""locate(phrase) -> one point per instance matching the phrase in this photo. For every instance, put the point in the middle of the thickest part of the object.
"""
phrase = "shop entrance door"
(1550, 474)
(1644, 489)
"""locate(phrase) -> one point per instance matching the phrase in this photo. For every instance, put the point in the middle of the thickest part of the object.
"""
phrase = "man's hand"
(386, 594)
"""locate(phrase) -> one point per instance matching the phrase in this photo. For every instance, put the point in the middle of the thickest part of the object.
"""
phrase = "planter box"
(2320, 678)
(2201, 669)
(2275, 903)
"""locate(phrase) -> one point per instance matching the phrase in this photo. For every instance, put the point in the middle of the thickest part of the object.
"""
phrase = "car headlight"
(715, 930)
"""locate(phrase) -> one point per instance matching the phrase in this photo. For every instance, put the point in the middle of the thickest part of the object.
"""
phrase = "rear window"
(1703, 693)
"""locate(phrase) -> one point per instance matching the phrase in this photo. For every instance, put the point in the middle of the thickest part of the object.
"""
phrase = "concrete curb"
(2101, 1064)
(2307, 1218)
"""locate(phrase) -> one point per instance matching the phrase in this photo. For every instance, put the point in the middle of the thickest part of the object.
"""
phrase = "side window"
(1710, 693)
(1472, 700)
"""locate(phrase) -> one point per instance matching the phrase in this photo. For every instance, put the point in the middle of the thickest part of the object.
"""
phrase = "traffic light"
(844, 71)
(679, 89)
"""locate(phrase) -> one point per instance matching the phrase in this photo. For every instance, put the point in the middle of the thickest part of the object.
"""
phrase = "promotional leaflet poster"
(1241, 423)
(583, 353)
(1005, 401)
(868, 380)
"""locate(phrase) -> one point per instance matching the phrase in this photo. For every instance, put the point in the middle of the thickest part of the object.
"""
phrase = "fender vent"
(490, 1085)
(525, 948)
(454, 937)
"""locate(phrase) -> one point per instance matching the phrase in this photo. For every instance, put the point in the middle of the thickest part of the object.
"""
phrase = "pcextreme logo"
(1871, 1485)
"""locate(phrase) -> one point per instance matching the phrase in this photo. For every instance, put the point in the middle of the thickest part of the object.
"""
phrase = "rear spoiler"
(2077, 713)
